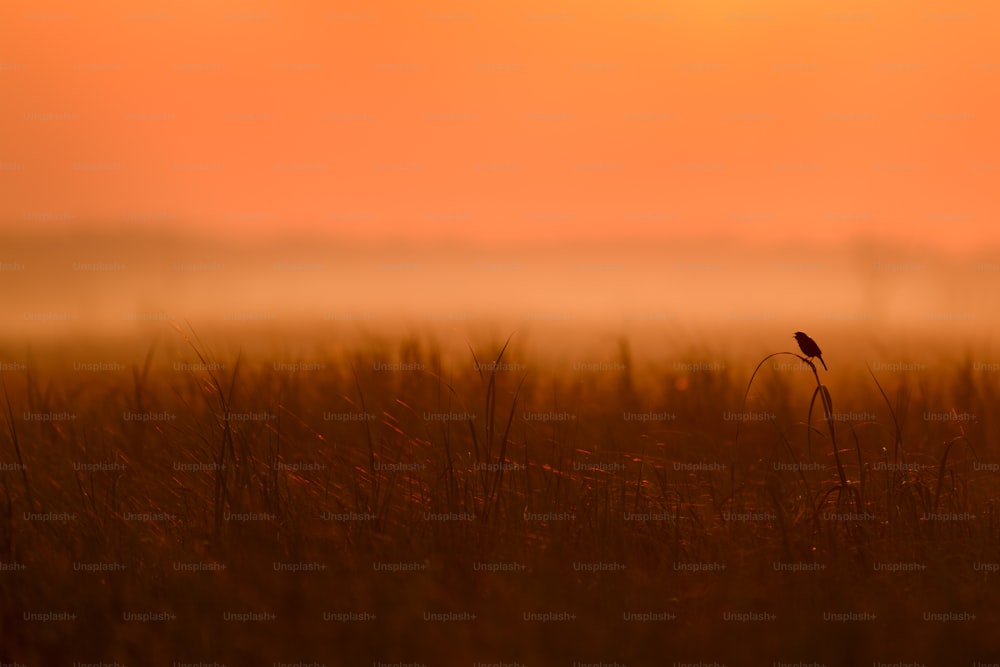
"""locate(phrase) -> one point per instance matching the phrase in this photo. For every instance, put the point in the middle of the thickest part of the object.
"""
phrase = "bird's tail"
(824, 364)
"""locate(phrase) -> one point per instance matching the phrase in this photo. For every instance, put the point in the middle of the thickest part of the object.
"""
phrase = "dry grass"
(556, 496)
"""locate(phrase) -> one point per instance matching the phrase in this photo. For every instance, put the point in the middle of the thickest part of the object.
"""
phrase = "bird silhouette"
(809, 348)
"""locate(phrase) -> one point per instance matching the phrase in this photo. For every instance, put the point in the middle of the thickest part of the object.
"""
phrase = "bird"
(809, 348)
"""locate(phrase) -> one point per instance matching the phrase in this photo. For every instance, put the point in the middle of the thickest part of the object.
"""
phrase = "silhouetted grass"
(446, 464)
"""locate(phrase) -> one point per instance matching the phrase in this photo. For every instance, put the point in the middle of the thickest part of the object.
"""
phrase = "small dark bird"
(809, 348)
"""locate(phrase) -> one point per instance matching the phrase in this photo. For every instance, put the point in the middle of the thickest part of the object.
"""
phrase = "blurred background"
(730, 164)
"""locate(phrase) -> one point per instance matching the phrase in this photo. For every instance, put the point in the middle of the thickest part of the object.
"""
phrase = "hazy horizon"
(95, 281)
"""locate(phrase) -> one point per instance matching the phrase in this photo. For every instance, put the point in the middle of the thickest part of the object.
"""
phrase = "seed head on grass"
(809, 348)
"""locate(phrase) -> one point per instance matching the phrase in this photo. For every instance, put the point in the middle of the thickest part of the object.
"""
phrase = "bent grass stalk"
(17, 450)
(492, 480)
(382, 485)
(895, 473)
(8, 532)
(223, 495)
(823, 393)
(944, 461)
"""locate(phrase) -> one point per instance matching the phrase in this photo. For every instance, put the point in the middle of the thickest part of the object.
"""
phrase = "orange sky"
(507, 122)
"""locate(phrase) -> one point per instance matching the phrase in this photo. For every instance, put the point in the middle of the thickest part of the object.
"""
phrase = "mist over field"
(119, 283)
(276, 454)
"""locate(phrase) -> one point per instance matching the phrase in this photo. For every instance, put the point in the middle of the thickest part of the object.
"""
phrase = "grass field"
(407, 498)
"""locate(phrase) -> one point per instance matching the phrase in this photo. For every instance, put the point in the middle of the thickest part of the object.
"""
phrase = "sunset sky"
(507, 123)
